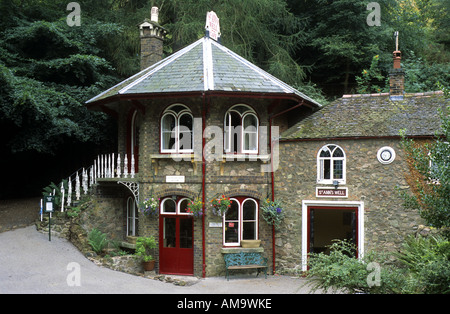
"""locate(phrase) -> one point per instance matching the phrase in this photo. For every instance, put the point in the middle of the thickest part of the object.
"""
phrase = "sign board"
(215, 225)
(213, 25)
(48, 200)
(175, 179)
(331, 192)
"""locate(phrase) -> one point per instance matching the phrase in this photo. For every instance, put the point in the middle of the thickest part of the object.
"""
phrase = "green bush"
(421, 267)
(97, 240)
(145, 247)
(340, 271)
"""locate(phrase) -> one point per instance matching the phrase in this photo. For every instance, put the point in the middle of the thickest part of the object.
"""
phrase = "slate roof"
(373, 116)
(203, 66)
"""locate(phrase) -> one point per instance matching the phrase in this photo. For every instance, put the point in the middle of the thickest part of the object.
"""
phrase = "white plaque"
(175, 179)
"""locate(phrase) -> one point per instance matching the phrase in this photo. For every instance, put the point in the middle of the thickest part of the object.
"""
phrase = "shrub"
(97, 240)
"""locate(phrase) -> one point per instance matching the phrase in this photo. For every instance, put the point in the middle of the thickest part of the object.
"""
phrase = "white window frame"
(177, 130)
(134, 217)
(230, 130)
(177, 206)
(240, 221)
(320, 165)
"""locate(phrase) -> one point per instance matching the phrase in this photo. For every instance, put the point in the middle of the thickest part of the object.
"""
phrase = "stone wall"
(386, 221)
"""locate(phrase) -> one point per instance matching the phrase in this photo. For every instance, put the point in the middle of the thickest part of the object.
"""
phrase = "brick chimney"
(152, 37)
(396, 75)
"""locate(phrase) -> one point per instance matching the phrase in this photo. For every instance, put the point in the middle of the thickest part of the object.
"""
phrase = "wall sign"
(331, 192)
(175, 179)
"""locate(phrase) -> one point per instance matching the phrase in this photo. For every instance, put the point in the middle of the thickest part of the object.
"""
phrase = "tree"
(262, 31)
(432, 162)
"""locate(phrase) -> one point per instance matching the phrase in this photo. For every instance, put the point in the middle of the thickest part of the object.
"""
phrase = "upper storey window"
(177, 130)
(241, 130)
(331, 165)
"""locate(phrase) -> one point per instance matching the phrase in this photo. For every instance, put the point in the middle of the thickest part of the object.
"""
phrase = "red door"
(176, 245)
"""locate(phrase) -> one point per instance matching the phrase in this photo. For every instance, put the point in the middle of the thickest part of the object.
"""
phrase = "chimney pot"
(154, 14)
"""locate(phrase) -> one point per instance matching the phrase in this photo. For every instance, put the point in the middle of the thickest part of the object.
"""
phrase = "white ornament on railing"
(125, 167)
(62, 197)
(77, 187)
(118, 166)
(69, 192)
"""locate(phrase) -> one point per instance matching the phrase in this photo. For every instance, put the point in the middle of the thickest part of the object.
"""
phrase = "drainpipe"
(272, 172)
(203, 185)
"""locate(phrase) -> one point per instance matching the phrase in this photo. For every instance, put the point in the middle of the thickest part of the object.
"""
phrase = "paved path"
(30, 263)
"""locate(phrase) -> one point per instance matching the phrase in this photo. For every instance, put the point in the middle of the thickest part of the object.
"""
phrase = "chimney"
(152, 37)
(396, 75)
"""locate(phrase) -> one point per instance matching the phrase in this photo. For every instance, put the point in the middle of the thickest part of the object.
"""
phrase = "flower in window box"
(195, 207)
(272, 212)
(150, 207)
(220, 205)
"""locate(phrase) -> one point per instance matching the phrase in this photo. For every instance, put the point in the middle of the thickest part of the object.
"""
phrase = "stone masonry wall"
(386, 221)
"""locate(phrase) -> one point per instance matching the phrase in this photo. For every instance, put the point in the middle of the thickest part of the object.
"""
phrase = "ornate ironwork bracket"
(133, 187)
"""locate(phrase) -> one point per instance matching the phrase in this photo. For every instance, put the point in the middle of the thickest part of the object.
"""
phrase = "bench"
(245, 260)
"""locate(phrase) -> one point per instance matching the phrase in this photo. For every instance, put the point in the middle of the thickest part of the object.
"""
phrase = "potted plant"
(195, 207)
(144, 249)
(150, 206)
(220, 205)
(272, 212)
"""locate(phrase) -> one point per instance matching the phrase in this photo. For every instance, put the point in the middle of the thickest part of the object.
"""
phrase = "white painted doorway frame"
(308, 203)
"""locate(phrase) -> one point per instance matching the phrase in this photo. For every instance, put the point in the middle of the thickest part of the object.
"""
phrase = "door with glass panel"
(176, 245)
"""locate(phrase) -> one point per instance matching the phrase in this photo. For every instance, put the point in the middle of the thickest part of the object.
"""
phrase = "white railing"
(103, 167)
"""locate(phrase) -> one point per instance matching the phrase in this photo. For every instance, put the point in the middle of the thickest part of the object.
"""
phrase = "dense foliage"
(432, 161)
(421, 267)
(48, 69)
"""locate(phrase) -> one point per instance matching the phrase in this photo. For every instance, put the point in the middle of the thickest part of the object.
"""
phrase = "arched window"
(331, 164)
(240, 221)
(132, 217)
(241, 130)
(177, 130)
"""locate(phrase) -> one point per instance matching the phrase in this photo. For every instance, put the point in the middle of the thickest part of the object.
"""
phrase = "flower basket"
(220, 205)
(195, 207)
(150, 207)
(272, 212)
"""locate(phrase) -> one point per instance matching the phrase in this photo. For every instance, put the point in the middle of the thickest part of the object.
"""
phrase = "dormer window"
(177, 130)
(241, 130)
(331, 165)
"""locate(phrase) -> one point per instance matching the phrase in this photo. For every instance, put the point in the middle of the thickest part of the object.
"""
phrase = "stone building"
(195, 125)
(204, 122)
(341, 171)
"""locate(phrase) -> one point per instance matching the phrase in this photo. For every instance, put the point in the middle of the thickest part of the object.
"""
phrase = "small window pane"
(232, 212)
(183, 206)
(249, 231)
(169, 232)
(169, 206)
(249, 210)
(338, 169)
(326, 169)
(325, 153)
(338, 153)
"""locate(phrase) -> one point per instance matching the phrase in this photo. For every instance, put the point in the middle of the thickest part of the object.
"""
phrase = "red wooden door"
(176, 245)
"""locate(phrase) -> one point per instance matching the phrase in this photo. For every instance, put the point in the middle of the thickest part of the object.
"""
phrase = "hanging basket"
(220, 205)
